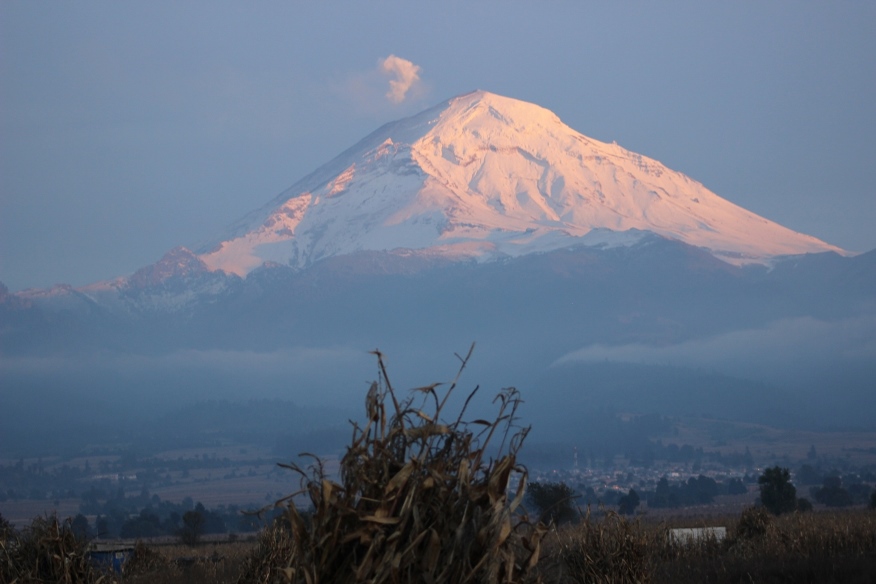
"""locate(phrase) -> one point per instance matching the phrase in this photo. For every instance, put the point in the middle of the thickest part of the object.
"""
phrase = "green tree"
(628, 503)
(193, 526)
(701, 490)
(146, 524)
(808, 475)
(102, 526)
(777, 493)
(860, 493)
(832, 493)
(736, 487)
(662, 495)
(80, 526)
(554, 501)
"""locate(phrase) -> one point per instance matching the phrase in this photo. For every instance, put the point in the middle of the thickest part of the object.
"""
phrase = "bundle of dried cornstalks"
(419, 499)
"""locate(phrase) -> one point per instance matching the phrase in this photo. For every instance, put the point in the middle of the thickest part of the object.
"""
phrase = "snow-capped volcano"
(486, 176)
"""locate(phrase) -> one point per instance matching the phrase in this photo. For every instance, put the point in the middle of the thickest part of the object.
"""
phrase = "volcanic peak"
(485, 176)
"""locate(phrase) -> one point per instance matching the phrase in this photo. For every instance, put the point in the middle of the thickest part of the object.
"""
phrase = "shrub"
(776, 491)
(193, 527)
(832, 493)
(628, 503)
(554, 501)
(753, 523)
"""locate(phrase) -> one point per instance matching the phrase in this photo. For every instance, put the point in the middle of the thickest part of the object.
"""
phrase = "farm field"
(823, 547)
(769, 444)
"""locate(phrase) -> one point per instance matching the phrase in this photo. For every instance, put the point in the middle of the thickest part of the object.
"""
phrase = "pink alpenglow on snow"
(484, 176)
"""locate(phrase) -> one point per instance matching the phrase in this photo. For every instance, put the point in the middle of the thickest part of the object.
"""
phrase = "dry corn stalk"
(419, 499)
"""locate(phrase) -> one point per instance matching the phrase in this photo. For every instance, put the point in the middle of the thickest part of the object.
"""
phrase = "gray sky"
(127, 129)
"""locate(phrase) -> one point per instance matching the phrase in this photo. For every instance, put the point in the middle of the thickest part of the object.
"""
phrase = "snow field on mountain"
(486, 176)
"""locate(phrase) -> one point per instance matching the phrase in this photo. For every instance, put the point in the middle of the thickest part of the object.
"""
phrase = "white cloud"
(405, 75)
(790, 348)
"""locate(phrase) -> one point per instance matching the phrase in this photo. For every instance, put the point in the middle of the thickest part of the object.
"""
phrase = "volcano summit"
(484, 176)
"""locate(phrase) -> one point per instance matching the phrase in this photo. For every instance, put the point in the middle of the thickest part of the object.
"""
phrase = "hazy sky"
(127, 129)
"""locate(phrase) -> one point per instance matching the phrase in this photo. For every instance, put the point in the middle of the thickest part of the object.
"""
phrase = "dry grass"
(610, 550)
(45, 551)
(419, 500)
(178, 564)
(814, 547)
